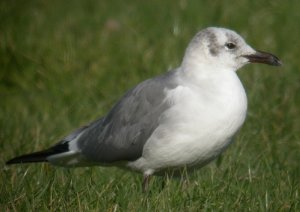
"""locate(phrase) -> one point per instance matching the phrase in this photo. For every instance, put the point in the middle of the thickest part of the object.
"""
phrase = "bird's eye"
(230, 45)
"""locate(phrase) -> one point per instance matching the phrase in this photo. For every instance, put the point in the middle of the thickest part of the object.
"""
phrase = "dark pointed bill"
(263, 57)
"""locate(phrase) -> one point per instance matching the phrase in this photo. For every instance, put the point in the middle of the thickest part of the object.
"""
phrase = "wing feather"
(122, 133)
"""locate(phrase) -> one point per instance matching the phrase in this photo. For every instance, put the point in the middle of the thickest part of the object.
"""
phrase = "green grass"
(63, 64)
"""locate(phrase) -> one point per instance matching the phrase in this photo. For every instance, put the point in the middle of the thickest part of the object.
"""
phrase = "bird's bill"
(263, 57)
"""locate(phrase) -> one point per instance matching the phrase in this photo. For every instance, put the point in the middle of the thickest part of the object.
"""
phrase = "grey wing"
(121, 135)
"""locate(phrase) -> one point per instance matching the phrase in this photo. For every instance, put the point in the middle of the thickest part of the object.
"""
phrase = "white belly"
(197, 128)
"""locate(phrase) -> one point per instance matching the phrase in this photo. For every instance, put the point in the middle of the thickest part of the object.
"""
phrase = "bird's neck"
(214, 82)
(202, 73)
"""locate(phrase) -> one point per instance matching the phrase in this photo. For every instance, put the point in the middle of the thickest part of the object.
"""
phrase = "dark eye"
(230, 45)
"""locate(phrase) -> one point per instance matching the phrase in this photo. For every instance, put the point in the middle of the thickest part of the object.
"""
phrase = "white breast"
(198, 126)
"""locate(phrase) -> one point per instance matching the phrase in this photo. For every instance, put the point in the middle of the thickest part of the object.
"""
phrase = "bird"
(182, 119)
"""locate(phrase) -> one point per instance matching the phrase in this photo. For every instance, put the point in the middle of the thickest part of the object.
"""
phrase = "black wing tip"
(29, 158)
(40, 156)
(22, 160)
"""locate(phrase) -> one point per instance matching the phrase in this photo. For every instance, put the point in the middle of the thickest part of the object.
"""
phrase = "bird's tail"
(65, 153)
(40, 156)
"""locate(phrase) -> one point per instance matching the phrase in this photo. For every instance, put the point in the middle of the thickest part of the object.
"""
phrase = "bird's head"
(224, 49)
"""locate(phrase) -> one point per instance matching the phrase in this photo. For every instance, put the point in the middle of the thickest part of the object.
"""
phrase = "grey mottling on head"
(213, 43)
(205, 35)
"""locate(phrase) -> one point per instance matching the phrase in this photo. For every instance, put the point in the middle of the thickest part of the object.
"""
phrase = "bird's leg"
(145, 184)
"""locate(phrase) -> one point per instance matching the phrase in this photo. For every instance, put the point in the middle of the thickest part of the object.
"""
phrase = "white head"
(223, 48)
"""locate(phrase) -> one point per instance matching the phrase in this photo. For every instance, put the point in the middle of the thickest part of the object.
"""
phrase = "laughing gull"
(183, 118)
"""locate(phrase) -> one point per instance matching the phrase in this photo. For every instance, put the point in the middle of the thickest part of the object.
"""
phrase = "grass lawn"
(64, 63)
